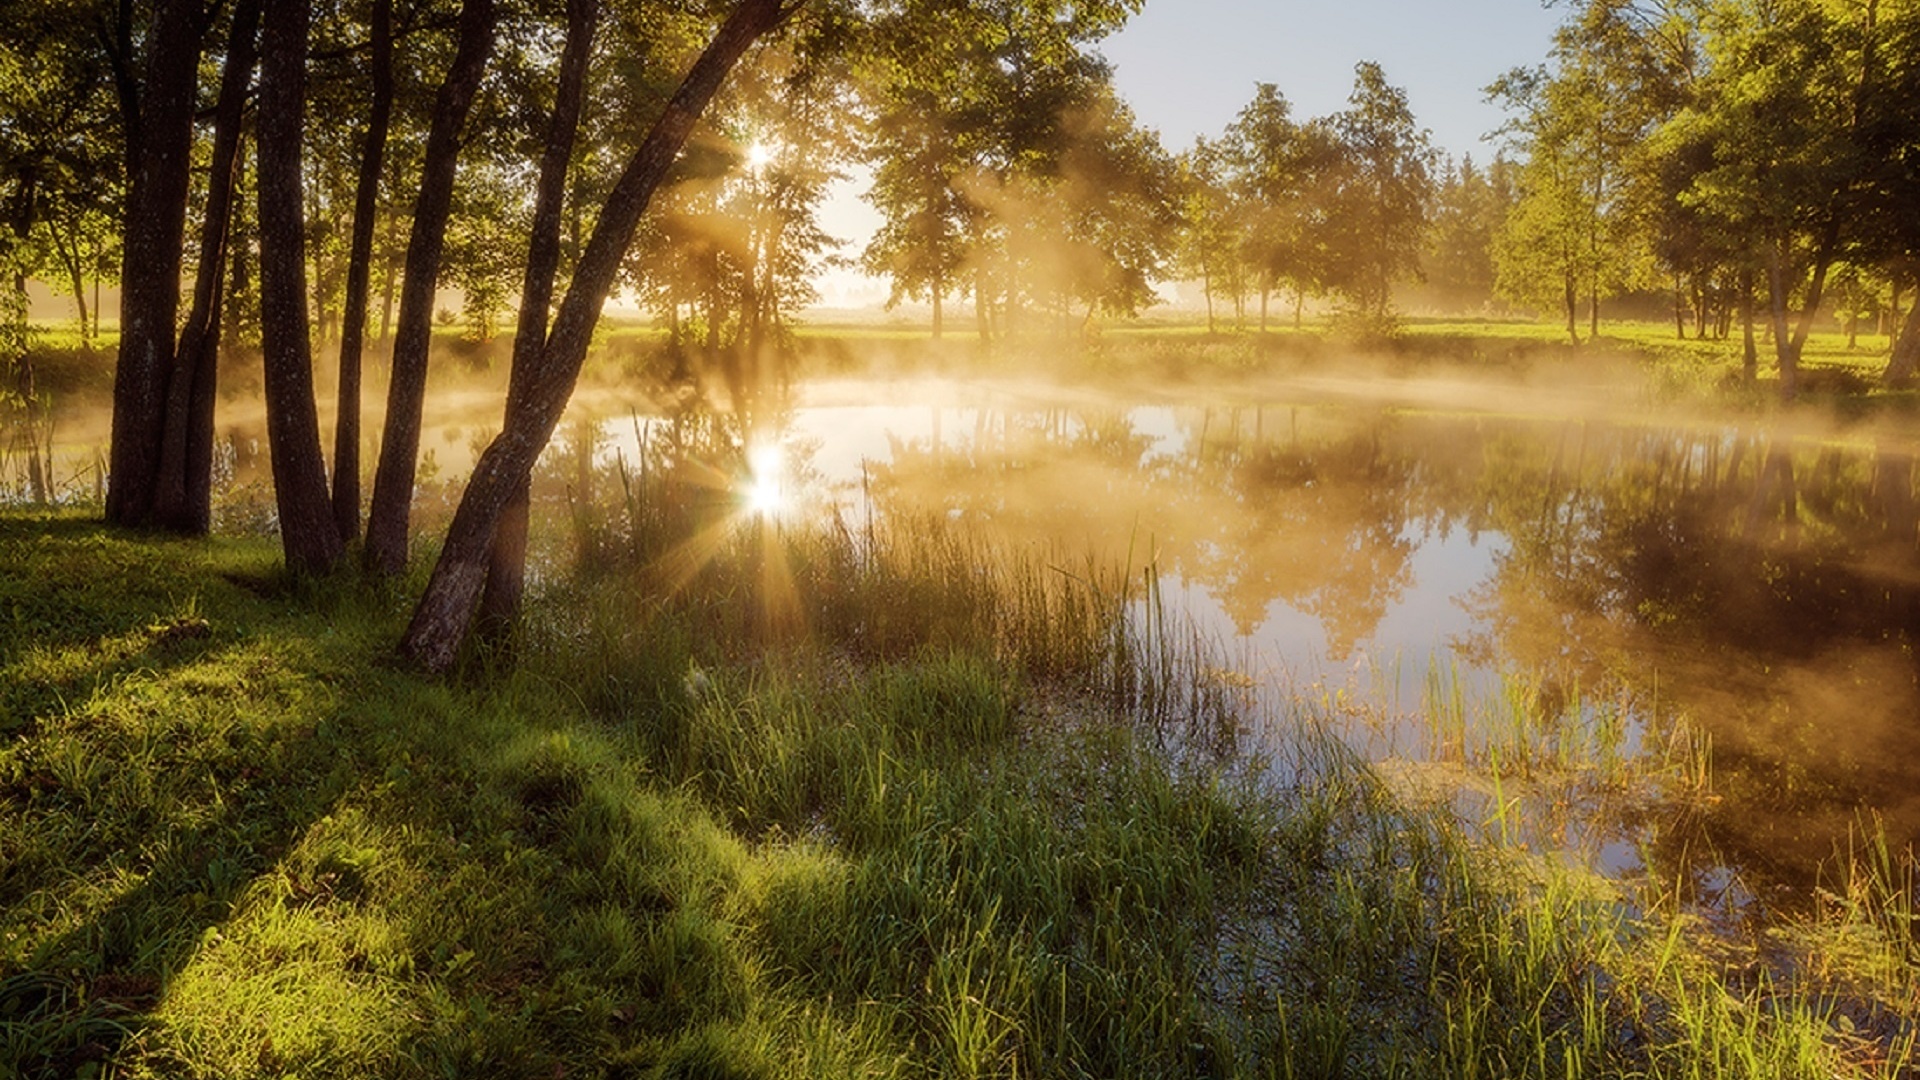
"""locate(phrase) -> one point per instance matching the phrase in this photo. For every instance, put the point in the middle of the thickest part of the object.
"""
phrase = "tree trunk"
(1893, 316)
(1822, 262)
(441, 620)
(158, 114)
(183, 496)
(1789, 358)
(1906, 352)
(353, 329)
(307, 535)
(239, 278)
(981, 316)
(1573, 309)
(1750, 352)
(507, 565)
(1206, 292)
(392, 506)
(67, 243)
(1679, 307)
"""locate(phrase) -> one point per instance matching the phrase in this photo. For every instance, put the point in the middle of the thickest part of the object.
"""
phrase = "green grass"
(955, 813)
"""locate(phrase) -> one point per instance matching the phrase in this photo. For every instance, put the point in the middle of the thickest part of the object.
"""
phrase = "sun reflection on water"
(764, 494)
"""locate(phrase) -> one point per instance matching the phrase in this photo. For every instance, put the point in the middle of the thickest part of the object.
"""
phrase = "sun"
(759, 156)
(765, 494)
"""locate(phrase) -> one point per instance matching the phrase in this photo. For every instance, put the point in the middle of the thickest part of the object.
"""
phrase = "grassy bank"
(790, 803)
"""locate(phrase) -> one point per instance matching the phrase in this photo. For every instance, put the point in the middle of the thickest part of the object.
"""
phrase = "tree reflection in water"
(1629, 585)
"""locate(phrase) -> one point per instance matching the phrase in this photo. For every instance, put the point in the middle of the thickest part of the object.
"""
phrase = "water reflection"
(1604, 594)
(1578, 604)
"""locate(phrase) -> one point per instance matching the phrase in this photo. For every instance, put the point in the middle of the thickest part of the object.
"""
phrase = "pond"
(1553, 617)
(1553, 623)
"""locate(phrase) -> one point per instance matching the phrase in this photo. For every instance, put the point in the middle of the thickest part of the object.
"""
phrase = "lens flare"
(765, 494)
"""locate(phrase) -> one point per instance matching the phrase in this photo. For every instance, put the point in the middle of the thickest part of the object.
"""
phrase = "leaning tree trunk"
(1816, 289)
(307, 535)
(159, 118)
(441, 620)
(507, 566)
(183, 498)
(387, 519)
(1906, 351)
(353, 328)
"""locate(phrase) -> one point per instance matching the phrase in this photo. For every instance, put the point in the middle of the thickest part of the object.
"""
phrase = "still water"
(1558, 617)
(1554, 616)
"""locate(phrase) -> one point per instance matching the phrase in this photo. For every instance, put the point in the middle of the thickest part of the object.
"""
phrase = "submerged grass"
(920, 809)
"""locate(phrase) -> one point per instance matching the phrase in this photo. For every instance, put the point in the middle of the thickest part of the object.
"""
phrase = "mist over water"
(1465, 593)
(1460, 577)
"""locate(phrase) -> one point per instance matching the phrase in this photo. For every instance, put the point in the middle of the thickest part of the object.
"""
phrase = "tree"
(1616, 71)
(183, 496)
(1782, 109)
(737, 236)
(387, 519)
(1377, 215)
(353, 319)
(1282, 174)
(507, 555)
(307, 533)
(1889, 232)
(1091, 228)
(975, 94)
(157, 110)
(1210, 227)
(1470, 203)
(59, 167)
(918, 161)
(442, 618)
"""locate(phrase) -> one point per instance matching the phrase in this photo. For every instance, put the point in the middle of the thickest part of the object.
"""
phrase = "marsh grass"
(927, 826)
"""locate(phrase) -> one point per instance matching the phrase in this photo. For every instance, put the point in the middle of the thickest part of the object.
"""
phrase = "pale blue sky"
(1188, 66)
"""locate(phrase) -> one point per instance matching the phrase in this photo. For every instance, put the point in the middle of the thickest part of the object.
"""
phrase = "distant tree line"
(1759, 160)
(1759, 163)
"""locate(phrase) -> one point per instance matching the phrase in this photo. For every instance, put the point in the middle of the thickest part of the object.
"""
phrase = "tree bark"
(183, 497)
(1573, 309)
(307, 535)
(158, 113)
(353, 329)
(441, 620)
(1906, 351)
(387, 519)
(1750, 352)
(1788, 357)
(507, 565)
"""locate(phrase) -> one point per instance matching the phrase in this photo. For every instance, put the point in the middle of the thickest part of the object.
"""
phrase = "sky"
(1188, 67)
